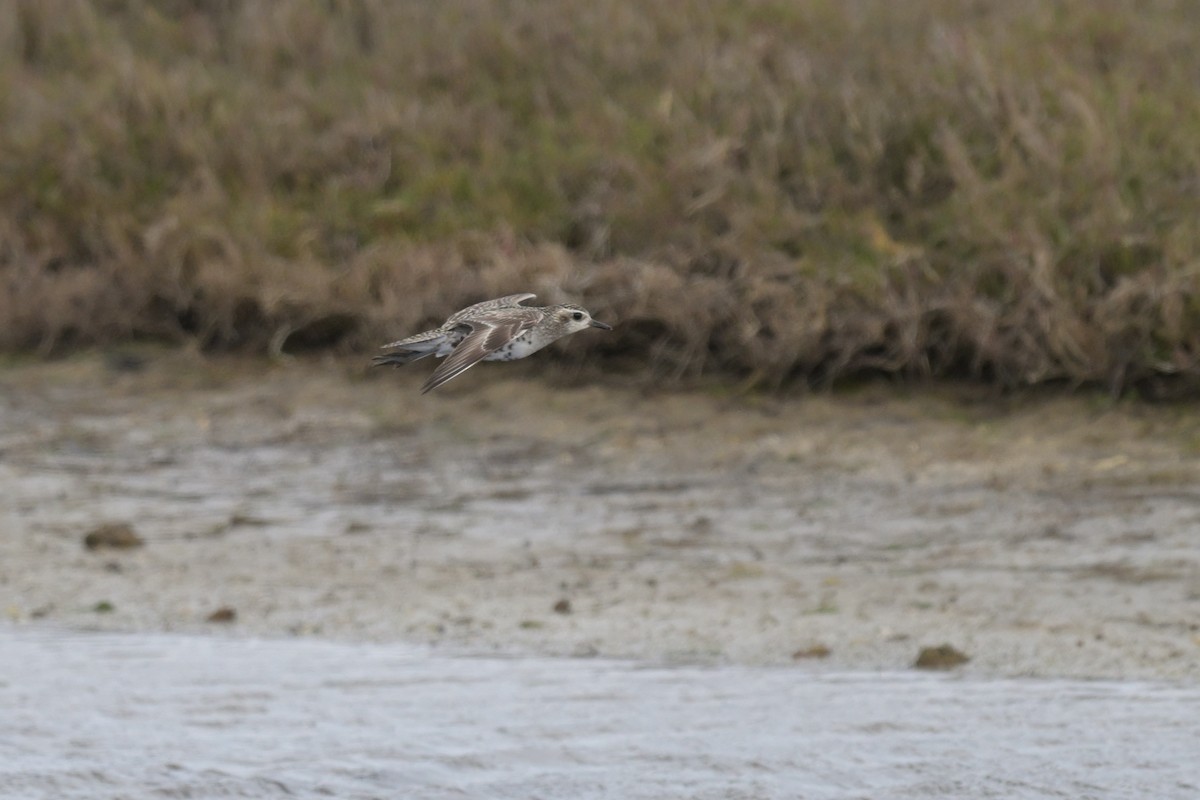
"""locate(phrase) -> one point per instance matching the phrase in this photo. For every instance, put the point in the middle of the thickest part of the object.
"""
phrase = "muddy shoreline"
(1055, 537)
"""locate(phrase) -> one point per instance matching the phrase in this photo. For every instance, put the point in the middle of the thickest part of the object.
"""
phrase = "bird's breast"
(518, 348)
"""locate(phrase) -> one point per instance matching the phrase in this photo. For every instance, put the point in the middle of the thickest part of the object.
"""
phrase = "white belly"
(517, 348)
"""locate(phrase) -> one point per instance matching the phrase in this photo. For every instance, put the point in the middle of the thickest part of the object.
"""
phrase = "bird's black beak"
(604, 326)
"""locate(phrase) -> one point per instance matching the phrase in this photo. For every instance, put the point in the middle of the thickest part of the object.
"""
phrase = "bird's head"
(575, 318)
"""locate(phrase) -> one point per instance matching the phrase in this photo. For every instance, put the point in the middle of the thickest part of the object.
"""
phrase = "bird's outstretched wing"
(508, 301)
(489, 332)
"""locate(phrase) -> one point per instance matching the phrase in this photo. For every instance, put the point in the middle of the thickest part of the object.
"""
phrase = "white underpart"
(447, 345)
(518, 348)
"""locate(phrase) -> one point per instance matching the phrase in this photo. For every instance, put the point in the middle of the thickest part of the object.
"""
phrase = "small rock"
(225, 614)
(240, 520)
(816, 651)
(562, 606)
(116, 535)
(942, 657)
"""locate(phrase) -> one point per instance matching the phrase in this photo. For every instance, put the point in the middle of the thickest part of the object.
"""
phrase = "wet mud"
(513, 514)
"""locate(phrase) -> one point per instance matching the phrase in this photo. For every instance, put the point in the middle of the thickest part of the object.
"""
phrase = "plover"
(494, 330)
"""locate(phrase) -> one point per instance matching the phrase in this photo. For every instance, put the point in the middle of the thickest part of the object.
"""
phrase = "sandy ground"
(1040, 536)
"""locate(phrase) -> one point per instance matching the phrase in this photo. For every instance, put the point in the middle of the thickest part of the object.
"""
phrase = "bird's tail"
(398, 359)
(414, 348)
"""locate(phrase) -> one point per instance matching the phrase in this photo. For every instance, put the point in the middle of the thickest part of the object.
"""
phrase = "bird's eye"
(578, 315)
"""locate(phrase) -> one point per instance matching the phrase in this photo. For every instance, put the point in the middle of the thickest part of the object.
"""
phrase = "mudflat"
(1049, 535)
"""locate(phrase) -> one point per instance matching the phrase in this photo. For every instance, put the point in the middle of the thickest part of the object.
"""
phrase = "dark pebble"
(116, 536)
(941, 657)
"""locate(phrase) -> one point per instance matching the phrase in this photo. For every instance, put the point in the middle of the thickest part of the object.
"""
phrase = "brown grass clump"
(765, 189)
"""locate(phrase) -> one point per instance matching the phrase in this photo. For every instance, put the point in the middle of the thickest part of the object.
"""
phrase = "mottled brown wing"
(489, 334)
(508, 301)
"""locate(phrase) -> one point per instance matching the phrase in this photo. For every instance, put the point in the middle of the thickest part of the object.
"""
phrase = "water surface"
(158, 715)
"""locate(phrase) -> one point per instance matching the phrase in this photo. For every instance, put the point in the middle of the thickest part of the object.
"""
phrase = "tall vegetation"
(768, 189)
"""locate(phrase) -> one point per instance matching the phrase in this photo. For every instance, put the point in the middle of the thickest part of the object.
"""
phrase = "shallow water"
(116, 715)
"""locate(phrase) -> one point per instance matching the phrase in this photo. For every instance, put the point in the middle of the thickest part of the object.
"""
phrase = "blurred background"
(890, 284)
(776, 191)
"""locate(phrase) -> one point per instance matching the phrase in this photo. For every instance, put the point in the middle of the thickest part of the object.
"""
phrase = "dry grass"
(764, 189)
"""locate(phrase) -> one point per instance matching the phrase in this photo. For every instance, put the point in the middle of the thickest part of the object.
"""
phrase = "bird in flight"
(494, 330)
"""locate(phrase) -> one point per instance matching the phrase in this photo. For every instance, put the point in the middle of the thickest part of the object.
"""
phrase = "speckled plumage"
(494, 330)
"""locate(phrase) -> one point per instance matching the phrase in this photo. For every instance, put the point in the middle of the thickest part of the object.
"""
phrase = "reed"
(771, 190)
